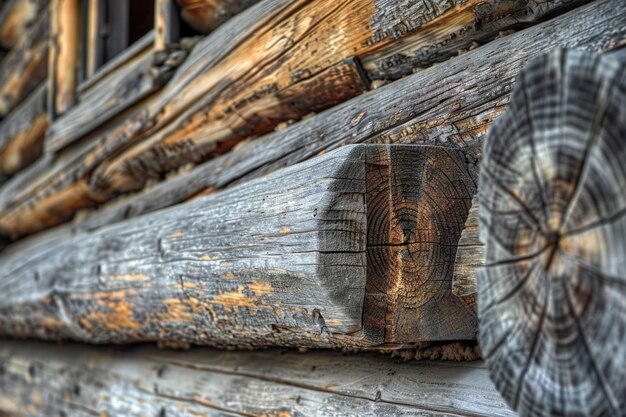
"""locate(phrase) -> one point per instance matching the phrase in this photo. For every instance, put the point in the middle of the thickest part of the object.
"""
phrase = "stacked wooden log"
(552, 295)
(299, 174)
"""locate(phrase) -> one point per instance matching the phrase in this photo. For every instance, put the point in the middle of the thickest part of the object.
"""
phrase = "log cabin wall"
(217, 95)
(259, 173)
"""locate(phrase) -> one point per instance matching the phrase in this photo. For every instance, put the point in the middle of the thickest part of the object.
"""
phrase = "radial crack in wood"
(552, 298)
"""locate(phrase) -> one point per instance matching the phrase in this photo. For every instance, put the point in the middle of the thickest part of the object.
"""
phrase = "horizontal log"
(23, 131)
(351, 249)
(25, 67)
(201, 113)
(453, 103)
(42, 172)
(74, 380)
(16, 16)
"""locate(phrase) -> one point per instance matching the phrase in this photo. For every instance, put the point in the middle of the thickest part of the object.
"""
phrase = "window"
(110, 27)
(98, 48)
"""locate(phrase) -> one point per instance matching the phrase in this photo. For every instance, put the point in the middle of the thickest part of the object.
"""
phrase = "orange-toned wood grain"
(16, 17)
(64, 58)
(220, 98)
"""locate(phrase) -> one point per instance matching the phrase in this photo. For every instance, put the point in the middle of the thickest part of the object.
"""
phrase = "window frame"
(70, 58)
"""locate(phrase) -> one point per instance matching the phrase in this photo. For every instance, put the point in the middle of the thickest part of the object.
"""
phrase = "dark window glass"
(119, 23)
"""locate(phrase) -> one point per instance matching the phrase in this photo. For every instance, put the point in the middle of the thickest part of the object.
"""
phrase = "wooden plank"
(93, 48)
(200, 113)
(34, 179)
(443, 29)
(284, 260)
(333, 85)
(453, 103)
(75, 380)
(22, 132)
(170, 52)
(63, 61)
(25, 67)
(16, 16)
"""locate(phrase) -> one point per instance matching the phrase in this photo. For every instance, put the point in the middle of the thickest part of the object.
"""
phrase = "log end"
(552, 297)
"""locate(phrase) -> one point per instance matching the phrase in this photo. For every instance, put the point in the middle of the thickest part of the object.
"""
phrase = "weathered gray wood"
(351, 249)
(45, 380)
(237, 84)
(470, 255)
(552, 294)
(22, 132)
(187, 122)
(451, 104)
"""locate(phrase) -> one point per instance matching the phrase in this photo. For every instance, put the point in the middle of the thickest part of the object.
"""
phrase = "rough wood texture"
(453, 103)
(202, 113)
(470, 255)
(284, 260)
(415, 213)
(552, 297)
(16, 17)
(420, 33)
(22, 132)
(206, 15)
(25, 67)
(76, 380)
